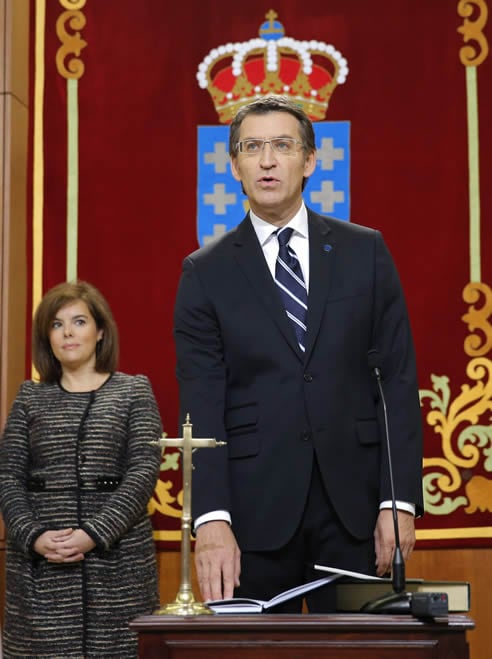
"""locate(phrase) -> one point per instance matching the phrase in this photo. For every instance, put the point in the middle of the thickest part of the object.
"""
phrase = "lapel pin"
(327, 248)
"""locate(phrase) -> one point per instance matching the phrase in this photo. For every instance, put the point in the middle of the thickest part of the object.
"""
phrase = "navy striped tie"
(289, 279)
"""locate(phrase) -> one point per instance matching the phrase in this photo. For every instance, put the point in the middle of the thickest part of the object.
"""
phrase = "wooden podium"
(303, 636)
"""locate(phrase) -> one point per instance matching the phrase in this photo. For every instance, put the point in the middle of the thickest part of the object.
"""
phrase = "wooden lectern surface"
(330, 636)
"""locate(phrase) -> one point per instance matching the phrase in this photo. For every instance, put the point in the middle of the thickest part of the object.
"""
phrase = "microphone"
(423, 604)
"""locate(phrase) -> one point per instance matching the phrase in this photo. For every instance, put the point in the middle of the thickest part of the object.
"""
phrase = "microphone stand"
(397, 601)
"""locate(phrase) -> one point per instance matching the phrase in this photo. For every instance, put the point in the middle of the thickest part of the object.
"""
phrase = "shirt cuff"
(401, 505)
(214, 516)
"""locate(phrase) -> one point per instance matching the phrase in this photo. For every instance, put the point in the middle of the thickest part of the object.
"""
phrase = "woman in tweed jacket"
(76, 473)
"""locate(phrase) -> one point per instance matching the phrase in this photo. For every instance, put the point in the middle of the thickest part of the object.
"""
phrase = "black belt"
(100, 484)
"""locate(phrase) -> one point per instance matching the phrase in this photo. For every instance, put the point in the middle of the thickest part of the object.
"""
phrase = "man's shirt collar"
(264, 230)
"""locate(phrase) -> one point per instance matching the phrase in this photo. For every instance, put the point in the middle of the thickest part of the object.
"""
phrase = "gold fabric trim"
(38, 160)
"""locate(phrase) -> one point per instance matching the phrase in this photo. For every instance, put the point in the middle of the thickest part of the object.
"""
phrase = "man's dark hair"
(265, 105)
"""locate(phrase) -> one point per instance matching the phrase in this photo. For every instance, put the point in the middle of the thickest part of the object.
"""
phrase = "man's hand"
(384, 538)
(217, 560)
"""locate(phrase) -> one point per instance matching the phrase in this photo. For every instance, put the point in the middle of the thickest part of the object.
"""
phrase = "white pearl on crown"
(274, 49)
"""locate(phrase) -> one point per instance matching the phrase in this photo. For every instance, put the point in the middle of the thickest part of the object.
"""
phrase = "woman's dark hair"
(107, 352)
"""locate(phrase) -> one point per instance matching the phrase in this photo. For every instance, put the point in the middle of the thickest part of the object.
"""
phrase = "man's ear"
(234, 169)
(310, 164)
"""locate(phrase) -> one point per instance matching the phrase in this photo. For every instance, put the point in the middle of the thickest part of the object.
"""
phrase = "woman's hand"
(64, 546)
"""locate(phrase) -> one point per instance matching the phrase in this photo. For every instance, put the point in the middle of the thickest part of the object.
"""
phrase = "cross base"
(184, 605)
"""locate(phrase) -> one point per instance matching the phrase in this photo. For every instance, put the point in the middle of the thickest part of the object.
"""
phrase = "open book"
(245, 605)
(357, 589)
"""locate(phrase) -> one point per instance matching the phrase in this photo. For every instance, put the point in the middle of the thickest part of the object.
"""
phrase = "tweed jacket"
(79, 460)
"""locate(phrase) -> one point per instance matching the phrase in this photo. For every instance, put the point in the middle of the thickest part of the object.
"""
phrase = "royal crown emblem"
(237, 73)
(306, 71)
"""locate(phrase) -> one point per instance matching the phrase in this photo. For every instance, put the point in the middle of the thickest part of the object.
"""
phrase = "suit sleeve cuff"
(401, 505)
(214, 516)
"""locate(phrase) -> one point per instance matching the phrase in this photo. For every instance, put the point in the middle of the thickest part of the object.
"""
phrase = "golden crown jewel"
(306, 71)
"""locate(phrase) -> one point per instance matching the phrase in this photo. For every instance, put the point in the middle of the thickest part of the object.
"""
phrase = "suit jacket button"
(306, 436)
(308, 377)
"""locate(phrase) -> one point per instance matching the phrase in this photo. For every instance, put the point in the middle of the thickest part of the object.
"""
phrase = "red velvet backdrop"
(139, 107)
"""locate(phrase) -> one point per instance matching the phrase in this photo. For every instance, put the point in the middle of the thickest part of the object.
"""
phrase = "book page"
(300, 590)
(246, 605)
(236, 605)
(350, 573)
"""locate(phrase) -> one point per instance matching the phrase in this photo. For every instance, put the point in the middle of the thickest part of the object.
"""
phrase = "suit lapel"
(250, 258)
(322, 254)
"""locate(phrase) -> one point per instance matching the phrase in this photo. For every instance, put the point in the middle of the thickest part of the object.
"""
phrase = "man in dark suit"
(281, 374)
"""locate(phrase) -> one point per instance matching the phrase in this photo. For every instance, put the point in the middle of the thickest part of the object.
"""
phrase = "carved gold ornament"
(462, 477)
(72, 42)
(472, 30)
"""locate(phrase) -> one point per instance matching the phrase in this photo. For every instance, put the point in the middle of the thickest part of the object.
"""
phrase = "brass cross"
(185, 604)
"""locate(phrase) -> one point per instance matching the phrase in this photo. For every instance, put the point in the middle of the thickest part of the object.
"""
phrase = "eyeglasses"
(286, 146)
